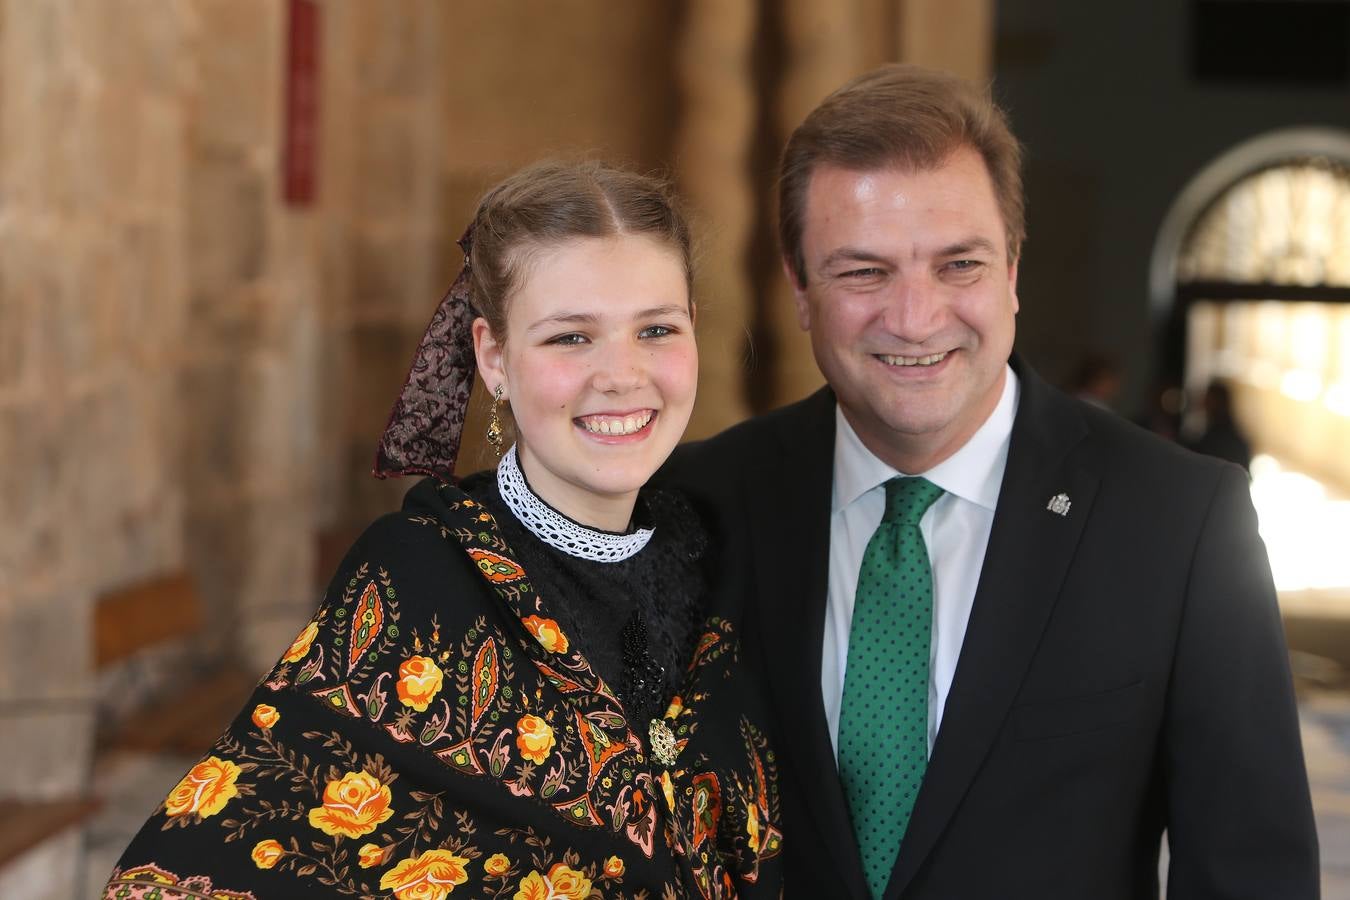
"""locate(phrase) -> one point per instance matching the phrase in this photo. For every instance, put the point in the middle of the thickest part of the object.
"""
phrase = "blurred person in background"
(1096, 380)
(1162, 412)
(513, 687)
(1222, 435)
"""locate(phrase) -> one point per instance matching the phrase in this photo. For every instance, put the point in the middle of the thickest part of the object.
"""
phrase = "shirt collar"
(973, 473)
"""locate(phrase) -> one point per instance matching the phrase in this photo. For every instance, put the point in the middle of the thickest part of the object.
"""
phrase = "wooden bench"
(187, 719)
(126, 621)
(24, 824)
(144, 615)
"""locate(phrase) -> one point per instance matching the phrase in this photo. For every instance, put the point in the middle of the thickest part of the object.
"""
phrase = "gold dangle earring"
(495, 434)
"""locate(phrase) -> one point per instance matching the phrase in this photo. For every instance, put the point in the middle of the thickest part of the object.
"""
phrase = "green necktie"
(883, 717)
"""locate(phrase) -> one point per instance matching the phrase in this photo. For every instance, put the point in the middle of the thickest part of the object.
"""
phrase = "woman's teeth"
(914, 360)
(616, 424)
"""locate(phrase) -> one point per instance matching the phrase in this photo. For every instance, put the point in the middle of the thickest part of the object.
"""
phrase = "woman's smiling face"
(600, 367)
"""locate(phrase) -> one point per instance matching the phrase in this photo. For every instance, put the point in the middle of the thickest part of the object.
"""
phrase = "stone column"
(711, 149)
(248, 399)
(92, 114)
(927, 36)
(384, 251)
(823, 48)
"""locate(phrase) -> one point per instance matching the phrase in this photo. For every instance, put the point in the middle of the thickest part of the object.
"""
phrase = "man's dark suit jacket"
(1123, 670)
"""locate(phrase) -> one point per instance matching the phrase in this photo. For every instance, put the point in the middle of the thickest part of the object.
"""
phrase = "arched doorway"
(1250, 287)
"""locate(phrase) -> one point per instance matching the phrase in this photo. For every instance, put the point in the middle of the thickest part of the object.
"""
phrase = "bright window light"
(1304, 526)
(1301, 385)
(1337, 398)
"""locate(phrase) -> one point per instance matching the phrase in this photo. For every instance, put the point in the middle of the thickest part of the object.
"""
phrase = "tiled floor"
(1326, 744)
(133, 783)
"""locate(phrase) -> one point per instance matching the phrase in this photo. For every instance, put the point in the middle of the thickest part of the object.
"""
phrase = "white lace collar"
(555, 529)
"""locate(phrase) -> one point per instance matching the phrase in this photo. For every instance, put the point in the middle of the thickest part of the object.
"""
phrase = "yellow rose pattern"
(524, 711)
(547, 633)
(204, 790)
(419, 681)
(534, 739)
(561, 883)
(268, 853)
(371, 855)
(353, 806)
(265, 716)
(431, 876)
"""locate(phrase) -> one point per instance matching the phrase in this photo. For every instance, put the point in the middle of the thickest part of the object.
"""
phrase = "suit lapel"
(1029, 552)
(792, 485)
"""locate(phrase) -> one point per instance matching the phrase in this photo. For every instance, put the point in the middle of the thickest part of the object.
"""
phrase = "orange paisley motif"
(431, 876)
(495, 567)
(353, 806)
(752, 826)
(205, 789)
(419, 681)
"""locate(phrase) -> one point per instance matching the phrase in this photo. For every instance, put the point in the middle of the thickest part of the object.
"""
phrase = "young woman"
(512, 688)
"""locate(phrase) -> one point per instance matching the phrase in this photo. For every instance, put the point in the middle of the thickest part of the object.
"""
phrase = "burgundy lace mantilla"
(427, 421)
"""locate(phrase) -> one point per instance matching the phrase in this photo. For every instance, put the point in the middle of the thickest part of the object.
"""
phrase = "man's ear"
(488, 351)
(1012, 286)
(799, 295)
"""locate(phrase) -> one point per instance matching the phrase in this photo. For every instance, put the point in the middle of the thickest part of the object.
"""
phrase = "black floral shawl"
(433, 732)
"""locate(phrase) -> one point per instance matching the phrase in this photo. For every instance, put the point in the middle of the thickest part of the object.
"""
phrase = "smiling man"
(1011, 639)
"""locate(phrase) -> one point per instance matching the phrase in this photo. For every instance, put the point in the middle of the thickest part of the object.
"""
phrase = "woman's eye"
(568, 340)
(656, 331)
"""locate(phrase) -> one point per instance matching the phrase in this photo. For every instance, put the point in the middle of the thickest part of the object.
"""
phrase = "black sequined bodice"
(635, 619)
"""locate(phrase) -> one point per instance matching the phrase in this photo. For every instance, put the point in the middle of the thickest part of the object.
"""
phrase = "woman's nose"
(619, 370)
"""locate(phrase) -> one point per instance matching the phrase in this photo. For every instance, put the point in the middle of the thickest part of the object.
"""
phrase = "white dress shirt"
(955, 530)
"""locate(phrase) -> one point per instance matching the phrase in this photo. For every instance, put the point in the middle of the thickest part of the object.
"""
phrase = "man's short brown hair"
(906, 117)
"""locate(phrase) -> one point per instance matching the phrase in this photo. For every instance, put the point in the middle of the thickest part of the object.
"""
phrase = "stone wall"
(94, 110)
(385, 252)
(713, 146)
(248, 393)
(95, 104)
(178, 346)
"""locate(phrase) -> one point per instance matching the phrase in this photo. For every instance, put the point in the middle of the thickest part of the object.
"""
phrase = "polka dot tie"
(883, 718)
